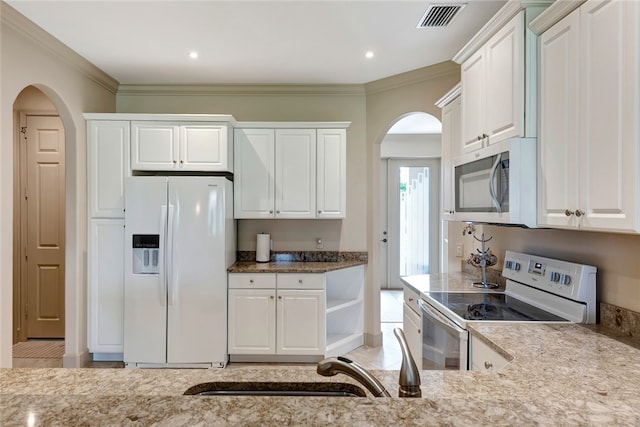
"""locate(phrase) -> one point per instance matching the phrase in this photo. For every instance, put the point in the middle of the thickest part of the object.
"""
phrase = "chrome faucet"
(333, 365)
(409, 375)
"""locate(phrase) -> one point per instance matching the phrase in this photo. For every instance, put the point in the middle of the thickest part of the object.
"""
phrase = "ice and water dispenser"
(146, 250)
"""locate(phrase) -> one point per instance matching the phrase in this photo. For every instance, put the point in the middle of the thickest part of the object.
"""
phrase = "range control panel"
(567, 279)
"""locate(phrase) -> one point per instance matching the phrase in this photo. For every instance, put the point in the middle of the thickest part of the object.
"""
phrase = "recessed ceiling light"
(193, 54)
(369, 54)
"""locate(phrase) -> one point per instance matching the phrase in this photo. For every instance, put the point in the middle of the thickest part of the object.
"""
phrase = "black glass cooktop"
(492, 306)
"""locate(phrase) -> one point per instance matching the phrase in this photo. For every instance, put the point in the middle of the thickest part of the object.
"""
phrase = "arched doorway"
(409, 197)
(39, 230)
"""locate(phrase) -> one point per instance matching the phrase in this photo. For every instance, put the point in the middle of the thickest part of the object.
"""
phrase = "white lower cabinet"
(484, 358)
(274, 315)
(412, 324)
(106, 290)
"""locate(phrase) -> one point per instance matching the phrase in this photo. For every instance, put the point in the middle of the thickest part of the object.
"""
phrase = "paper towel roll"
(263, 247)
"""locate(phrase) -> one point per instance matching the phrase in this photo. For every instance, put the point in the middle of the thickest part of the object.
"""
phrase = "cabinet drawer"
(411, 299)
(300, 281)
(252, 281)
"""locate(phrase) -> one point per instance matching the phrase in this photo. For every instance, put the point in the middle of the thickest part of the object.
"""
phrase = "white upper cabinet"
(295, 173)
(331, 160)
(176, 146)
(253, 181)
(493, 88)
(290, 173)
(589, 145)
(451, 127)
(108, 165)
(558, 141)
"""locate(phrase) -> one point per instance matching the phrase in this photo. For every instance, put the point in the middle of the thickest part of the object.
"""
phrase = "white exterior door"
(254, 171)
(300, 322)
(295, 173)
(154, 145)
(332, 173)
(558, 184)
(252, 321)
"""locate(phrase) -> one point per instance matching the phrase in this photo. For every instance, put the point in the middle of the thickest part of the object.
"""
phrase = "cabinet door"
(106, 285)
(450, 139)
(331, 159)
(252, 321)
(295, 173)
(504, 100)
(411, 327)
(204, 148)
(254, 170)
(558, 142)
(484, 358)
(609, 114)
(301, 322)
(473, 101)
(108, 165)
(154, 145)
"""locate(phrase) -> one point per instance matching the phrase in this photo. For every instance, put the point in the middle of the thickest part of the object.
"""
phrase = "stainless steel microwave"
(497, 184)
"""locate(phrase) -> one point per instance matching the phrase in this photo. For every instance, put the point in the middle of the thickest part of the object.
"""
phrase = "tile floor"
(385, 357)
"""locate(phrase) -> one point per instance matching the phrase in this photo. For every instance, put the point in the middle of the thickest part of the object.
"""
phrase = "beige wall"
(279, 103)
(31, 57)
(617, 256)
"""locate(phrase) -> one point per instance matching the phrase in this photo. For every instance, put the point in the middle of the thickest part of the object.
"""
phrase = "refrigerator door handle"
(170, 256)
(162, 259)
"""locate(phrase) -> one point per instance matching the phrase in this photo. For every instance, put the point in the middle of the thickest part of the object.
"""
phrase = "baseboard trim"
(78, 360)
(373, 340)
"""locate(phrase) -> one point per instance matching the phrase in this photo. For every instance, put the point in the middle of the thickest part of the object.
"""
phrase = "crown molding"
(14, 20)
(502, 17)
(235, 89)
(449, 96)
(420, 75)
(553, 14)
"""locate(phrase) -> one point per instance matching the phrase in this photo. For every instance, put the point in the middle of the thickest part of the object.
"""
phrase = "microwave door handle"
(492, 189)
(439, 318)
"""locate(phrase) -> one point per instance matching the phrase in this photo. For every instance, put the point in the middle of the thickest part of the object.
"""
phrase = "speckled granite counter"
(559, 374)
(291, 267)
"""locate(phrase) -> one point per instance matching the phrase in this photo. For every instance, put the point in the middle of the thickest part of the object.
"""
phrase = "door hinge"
(23, 130)
(26, 311)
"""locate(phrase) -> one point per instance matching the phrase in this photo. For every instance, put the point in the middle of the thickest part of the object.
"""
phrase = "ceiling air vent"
(439, 15)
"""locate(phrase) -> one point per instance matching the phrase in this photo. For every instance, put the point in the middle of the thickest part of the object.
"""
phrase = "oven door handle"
(440, 319)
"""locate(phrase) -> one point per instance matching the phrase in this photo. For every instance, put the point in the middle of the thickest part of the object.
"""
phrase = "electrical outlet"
(459, 250)
(319, 244)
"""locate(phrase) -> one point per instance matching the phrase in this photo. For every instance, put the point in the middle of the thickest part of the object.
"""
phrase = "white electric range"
(538, 289)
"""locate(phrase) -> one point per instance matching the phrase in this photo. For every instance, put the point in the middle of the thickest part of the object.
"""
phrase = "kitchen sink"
(241, 388)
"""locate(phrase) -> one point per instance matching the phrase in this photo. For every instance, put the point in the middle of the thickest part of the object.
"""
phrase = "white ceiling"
(255, 42)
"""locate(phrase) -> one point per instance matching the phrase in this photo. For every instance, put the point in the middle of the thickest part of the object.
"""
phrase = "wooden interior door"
(45, 223)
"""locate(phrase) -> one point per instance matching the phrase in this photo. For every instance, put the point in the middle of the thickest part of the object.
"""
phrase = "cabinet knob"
(484, 135)
(277, 212)
(270, 212)
(181, 161)
(568, 212)
(300, 281)
(579, 213)
(319, 212)
(271, 297)
(174, 162)
(488, 365)
(250, 280)
(279, 296)
(410, 299)
(479, 138)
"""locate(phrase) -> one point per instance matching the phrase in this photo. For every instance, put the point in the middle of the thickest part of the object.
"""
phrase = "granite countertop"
(292, 267)
(559, 374)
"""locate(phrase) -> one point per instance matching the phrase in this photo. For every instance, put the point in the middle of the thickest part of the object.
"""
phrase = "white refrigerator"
(179, 242)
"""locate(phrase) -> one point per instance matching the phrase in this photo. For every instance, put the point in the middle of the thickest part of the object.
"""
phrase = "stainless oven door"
(444, 344)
